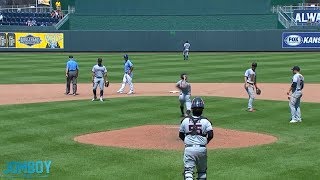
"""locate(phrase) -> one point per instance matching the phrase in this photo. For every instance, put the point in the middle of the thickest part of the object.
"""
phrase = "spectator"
(58, 5)
(29, 22)
(34, 22)
(1, 17)
(42, 24)
(56, 14)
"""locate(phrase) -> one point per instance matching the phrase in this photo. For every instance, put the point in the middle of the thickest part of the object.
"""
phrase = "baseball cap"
(70, 56)
(296, 68)
(254, 64)
(126, 56)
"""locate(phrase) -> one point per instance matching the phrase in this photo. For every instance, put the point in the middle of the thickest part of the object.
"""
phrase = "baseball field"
(39, 122)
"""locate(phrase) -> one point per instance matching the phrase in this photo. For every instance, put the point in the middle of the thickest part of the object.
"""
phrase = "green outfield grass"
(45, 131)
(159, 67)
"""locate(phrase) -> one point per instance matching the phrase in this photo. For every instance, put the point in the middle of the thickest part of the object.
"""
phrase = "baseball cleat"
(101, 99)
(93, 99)
(120, 92)
(66, 93)
(130, 92)
(251, 110)
(294, 121)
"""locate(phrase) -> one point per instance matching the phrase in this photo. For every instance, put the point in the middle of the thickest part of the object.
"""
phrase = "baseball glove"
(258, 91)
(106, 84)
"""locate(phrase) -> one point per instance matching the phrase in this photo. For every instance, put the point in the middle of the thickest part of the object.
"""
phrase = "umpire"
(72, 71)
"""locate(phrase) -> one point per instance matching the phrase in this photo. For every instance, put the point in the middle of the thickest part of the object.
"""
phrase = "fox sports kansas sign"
(300, 40)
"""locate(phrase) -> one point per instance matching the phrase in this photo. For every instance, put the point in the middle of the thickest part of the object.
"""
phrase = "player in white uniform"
(186, 48)
(250, 84)
(296, 94)
(196, 132)
(99, 77)
(128, 75)
(185, 92)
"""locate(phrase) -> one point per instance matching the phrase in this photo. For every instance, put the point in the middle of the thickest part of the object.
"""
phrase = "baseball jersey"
(72, 65)
(127, 66)
(99, 71)
(186, 46)
(196, 133)
(299, 79)
(185, 90)
(251, 76)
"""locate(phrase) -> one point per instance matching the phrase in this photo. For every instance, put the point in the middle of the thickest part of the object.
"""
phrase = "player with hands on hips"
(185, 92)
(250, 85)
(296, 93)
(196, 132)
(186, 48)
(99, 77)
(128, 75)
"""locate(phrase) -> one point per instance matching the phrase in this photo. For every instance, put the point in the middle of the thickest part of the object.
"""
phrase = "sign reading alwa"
(303, 17)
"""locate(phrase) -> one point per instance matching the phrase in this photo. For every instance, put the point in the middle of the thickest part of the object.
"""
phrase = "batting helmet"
(197, 102)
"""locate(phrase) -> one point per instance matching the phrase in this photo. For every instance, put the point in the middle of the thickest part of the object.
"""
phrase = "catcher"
(99, 77)
(250, 85)
(185, 93)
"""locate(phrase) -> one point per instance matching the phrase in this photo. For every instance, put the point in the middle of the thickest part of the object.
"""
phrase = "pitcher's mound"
(166, 137)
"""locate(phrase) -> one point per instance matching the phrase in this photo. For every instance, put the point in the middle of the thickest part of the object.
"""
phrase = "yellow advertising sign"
(44, 2)
(32, 40)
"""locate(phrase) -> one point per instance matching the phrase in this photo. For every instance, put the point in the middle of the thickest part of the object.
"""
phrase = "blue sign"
(301, 40)
(27, 169)
(307, 16)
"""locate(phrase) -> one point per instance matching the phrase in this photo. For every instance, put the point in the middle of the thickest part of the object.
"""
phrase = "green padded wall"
(171, 7)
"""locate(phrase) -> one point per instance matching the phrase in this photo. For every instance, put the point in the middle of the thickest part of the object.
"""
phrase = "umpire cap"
(297, 68)
(197, 102)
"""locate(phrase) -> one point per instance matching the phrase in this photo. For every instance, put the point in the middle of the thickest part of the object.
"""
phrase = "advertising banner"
(305, 17)
(301, 40)
(31, 40)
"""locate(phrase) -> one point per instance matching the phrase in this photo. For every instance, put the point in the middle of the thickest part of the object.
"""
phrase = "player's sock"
(94, 93)
(181, 108)
(101, 93)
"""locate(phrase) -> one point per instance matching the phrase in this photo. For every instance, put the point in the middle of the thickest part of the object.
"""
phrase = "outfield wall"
(121, 41)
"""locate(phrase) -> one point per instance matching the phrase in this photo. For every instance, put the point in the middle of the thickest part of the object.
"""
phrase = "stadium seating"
(21, 18)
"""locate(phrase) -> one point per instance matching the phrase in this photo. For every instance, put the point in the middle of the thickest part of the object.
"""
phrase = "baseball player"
(186, 48)
(250, 85)
(185, 92)
(128, 75)
(196, 131)
(296, 94)
(99, 77)
(72, 72)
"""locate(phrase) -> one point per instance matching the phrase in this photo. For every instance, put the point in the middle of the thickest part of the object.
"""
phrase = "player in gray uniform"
(186, 49)
(185, 92)
(196, 132)
(99, 77)
(296, 94)
(250, 84)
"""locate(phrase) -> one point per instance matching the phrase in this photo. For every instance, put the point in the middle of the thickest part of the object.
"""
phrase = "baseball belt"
(195, 145)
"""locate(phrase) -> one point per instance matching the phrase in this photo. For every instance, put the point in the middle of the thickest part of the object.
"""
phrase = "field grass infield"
(45, 131)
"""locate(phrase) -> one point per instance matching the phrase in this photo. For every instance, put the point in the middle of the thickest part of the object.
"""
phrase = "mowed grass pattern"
(45, 132)
(159, 67)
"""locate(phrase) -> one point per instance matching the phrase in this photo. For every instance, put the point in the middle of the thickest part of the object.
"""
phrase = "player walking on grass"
(250, 84)
(185, 93)
(186, 48)
(128, 75)
(72, 72)
(296, 94)
(99, 77)
(196, 131)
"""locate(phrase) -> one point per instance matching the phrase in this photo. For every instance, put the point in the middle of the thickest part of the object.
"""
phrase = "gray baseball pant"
(195, 157)
(251, 93)
(72, 77)
(294, 105)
